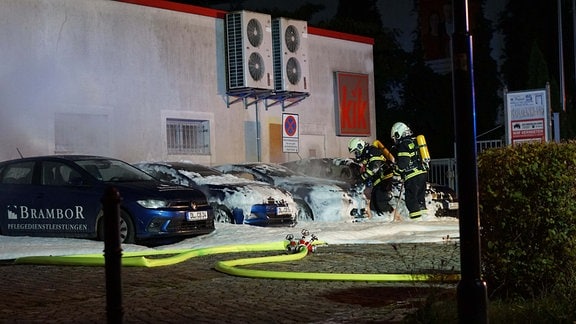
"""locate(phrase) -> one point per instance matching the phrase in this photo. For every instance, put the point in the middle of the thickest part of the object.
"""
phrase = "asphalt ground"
(193, 291)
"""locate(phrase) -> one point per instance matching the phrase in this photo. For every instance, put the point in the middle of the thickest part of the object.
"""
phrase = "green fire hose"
(233, 267)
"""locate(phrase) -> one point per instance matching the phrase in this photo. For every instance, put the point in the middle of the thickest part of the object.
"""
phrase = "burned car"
(318, 199)
(234, 200)
(441, 199)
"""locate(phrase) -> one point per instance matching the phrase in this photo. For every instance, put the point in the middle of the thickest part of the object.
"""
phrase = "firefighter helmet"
(356, 146)
(400, 130)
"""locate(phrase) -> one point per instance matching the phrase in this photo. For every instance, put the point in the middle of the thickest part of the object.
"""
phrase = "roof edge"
(202, 11)
(174, 6)
(340, 35)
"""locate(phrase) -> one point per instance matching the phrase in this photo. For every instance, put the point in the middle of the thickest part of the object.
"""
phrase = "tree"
(531, 53)
(391, 62)
(427, 96)
(487, 84)
(525, 27)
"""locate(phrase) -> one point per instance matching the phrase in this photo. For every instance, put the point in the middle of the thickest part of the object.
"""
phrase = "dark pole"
(561, 59)
(112, 255)
(471, 290)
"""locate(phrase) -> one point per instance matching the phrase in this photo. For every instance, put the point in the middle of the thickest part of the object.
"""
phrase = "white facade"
(102, 77)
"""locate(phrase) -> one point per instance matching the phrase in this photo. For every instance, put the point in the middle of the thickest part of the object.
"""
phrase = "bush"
(527, 196)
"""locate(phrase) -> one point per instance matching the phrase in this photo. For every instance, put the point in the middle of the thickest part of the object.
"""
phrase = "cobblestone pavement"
(193, 291)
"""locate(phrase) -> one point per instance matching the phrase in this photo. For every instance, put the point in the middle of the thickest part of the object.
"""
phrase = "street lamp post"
(471, 290)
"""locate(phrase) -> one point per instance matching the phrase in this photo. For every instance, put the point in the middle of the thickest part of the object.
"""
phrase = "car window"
(113, 170)
(168, 175)
(17, 173)
(59, 174)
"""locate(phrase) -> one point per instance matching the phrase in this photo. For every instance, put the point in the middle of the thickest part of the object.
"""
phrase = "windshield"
(113, 170)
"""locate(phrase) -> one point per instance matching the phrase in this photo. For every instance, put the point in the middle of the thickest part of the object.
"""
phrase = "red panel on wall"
(353, 104)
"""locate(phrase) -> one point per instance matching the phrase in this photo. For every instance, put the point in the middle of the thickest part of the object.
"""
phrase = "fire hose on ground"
(297, 249)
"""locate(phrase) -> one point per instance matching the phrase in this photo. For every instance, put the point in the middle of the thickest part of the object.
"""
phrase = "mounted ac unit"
(290, 44)
(249, 50)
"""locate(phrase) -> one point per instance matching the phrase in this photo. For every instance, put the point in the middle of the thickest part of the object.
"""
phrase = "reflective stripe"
(387, 176)
(407, 154)
(417, 214)
(414, 173)
(376, 158)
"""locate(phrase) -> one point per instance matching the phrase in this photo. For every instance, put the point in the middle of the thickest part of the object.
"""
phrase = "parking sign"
(290, 141)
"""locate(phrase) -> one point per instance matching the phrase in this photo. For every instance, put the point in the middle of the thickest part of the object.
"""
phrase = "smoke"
(25, 104)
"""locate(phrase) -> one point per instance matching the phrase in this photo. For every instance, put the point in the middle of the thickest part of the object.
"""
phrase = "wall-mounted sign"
(290, 138)
(353, 104)
(527, 114)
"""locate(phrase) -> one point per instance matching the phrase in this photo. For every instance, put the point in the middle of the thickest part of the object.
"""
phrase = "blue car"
(234, 200)
(60, 196)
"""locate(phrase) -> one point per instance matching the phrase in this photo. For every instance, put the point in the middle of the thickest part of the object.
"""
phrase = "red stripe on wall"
(340, 35)
(168, 5)
(162, 4)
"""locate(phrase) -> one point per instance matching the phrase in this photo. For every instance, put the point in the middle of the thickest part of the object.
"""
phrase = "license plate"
(453, 205)
(283, 210)
(196, 215)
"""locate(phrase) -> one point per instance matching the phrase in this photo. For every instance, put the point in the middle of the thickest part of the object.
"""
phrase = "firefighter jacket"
(408, 161)
(374, 166)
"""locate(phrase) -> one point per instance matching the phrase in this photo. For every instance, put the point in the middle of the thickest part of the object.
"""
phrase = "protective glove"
(343, 161)
(397, 173)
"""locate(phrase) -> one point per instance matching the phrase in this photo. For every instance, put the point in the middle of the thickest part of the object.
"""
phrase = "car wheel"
(127, 231)
(222, 214)
(304, 212)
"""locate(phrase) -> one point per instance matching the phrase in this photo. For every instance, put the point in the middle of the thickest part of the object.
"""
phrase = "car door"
(69, 200)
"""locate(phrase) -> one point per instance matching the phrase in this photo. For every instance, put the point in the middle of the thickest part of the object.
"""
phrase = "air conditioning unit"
(290, 44)
(249, 50)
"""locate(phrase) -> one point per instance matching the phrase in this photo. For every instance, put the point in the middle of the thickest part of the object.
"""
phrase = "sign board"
(353, 104)
(290, 140)
(527, 116)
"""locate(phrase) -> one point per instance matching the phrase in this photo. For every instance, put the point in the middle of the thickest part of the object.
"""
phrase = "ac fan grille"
(292, 39)
(254, 32)
(256, 66)
(293, 71)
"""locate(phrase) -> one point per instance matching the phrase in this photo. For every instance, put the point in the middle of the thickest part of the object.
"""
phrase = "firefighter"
(376, 172)
(412, 168)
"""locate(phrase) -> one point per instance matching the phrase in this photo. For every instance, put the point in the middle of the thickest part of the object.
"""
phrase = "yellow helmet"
(356, 146)
(400, 130)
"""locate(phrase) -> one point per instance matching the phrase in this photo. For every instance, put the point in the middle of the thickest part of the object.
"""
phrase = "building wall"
(102, 76)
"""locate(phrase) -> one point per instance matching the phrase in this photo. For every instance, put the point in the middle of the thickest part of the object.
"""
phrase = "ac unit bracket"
(290, 96)
(250, 96)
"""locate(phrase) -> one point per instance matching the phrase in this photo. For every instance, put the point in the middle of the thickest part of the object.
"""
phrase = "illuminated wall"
(101, 77)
